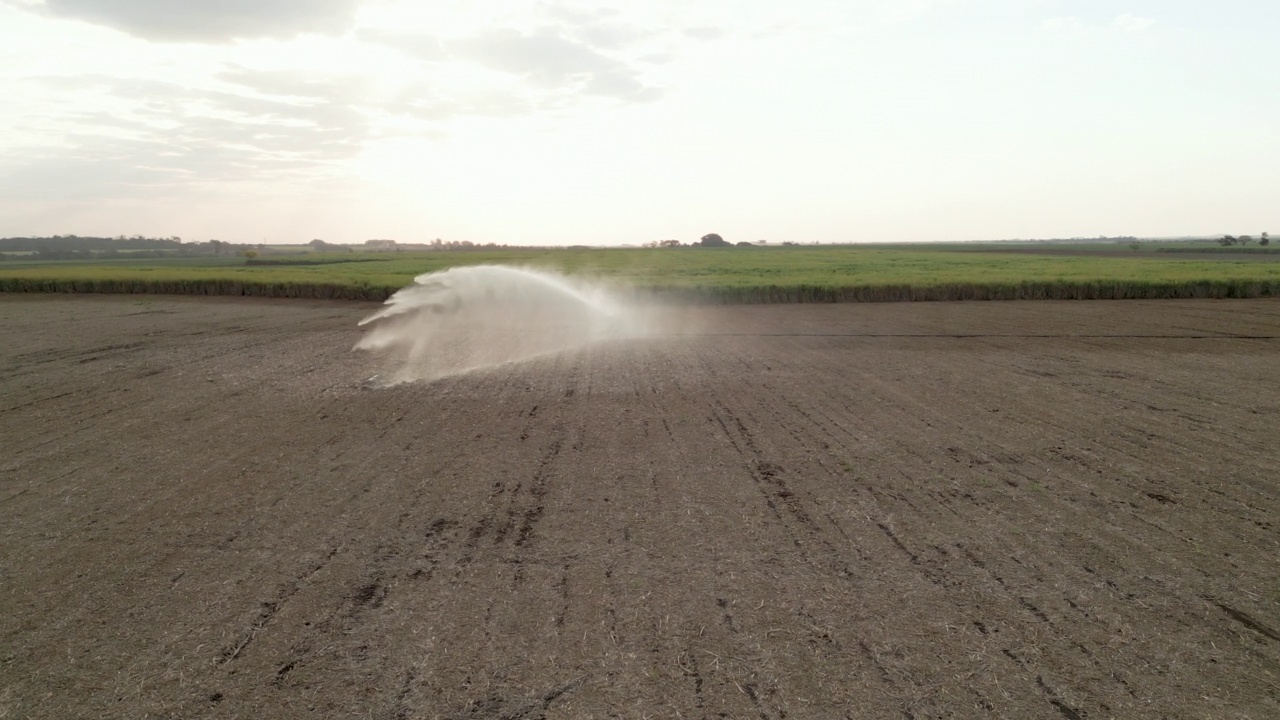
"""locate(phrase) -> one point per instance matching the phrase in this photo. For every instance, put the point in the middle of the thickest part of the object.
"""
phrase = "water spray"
(480, 316)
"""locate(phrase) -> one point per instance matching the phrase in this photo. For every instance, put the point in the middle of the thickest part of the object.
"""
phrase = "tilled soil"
(969, 510)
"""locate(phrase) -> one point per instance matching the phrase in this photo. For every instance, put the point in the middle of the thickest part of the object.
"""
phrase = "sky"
(606, 123)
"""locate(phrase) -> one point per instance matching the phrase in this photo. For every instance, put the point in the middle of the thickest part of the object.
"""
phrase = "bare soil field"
(1062, 510)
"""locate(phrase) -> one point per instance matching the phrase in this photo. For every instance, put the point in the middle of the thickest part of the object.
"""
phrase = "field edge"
(748, 294)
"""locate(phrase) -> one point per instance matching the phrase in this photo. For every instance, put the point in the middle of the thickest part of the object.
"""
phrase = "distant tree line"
(709, 240)
(383, 245)
(1229, 240)
(75, 247)
(439, 244)
(76, 242)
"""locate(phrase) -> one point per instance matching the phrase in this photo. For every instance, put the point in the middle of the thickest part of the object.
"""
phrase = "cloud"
(164, 138)
(295, 83)
(97, 166)
(1126, 23)
(621, 86)
(598, 27)
(1131, 23)
(704, 33)
(285, 127)
(657, 58)
(318, 107)
(566, 13)
(546, 60)
(901, 11)
(208, 20)
(609, 35)
(423, 47)
(556, 49)
(894, 12)
(235, 123)
(424, 101)
(1062, 24)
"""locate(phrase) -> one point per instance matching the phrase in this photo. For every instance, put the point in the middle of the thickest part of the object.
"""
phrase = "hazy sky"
(556, 121)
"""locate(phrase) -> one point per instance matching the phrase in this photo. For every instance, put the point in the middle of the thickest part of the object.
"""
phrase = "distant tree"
(669, 243)
(1135, 246)
(250, 254)
(1227, 240)
(1245, 239)
(744, 243)
(1264, 239)
(713, 240)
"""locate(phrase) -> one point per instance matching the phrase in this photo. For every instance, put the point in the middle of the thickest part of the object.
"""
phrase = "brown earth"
(969, 510)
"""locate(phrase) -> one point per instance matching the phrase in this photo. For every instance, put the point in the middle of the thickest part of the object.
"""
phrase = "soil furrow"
(966, 510)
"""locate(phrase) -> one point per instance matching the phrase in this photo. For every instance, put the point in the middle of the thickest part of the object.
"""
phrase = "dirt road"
(962, 510)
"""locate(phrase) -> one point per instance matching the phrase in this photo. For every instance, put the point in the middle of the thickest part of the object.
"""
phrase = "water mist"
(481, 316)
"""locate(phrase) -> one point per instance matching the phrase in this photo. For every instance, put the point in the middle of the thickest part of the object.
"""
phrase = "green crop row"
(970, 291)
(310, 290)
(799, 274)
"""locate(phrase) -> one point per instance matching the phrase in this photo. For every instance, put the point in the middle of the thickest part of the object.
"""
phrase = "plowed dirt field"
(942, 510)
